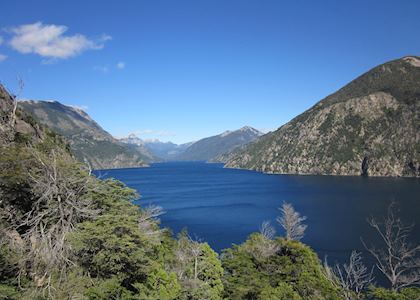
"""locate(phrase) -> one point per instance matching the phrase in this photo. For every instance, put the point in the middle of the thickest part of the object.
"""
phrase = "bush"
(293, 267)
(410, 293)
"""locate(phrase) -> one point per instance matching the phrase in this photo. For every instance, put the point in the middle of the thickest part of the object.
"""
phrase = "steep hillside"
(15, 124)
(87, 139)
(209, 148)
(161, 150)
(371, 126)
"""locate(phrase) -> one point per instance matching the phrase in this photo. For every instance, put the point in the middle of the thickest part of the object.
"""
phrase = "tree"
(198, 268)
(292, 222)
(293, 271)
(267, 230)
(267, 246)
(398, 260)
(40, 204)
(159, 285)
(282, 292)
(148, 222)
(354, 277)
(59, 203)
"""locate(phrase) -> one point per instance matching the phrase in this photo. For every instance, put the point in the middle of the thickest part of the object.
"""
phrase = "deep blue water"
(223, 206)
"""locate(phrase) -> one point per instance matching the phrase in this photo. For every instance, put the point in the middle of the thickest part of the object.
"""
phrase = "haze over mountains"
(163, 150)
(90, 143)
(206, 149)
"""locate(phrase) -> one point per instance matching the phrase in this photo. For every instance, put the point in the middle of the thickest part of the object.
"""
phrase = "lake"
(223, 206)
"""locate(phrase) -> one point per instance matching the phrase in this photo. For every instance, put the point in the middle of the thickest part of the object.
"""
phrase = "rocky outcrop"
(6, 113)
(15, 124)
(369, 127)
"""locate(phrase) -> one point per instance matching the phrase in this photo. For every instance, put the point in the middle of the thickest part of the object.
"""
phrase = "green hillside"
(89, 142)
(371, 126)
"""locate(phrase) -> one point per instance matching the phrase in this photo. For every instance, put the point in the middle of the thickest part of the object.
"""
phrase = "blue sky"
(183, 70)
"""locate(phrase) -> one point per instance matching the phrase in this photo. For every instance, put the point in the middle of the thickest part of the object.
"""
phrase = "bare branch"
(59, 202)
(267, 230)
(148, 222)
(398, 260)
(292, 222)
(354, 277)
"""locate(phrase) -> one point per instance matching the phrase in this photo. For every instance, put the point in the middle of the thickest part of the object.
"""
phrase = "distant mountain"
(166, 150)
(209, 148)
(89, 141)
(162, 150)
(371, 126)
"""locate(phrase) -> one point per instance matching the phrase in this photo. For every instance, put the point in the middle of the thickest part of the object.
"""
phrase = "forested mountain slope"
(209, 148)
(371, 126)
(89, 141)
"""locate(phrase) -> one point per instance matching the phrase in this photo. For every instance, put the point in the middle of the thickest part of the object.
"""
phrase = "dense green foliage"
(291, 271)
(65, 234)
(404, 294)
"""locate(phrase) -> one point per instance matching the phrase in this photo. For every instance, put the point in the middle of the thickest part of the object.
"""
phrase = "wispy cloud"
(102, 69)
(108, 68)
(50, 41)
(1, 40)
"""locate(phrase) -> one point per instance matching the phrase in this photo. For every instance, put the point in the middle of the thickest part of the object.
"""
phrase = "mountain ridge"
(207, 149)
(89, 142)
(161, 150)
(369, 127)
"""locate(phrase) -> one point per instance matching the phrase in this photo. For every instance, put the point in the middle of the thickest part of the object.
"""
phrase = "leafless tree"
(188, 252)
(148, 222)
(292, 222)
(353, 277)
(266, 246)
(398, 260)
(21, 85)
(59, 203)
(267, 230)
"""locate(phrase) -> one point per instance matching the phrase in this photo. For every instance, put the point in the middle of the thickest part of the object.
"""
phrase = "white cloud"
(121, 65)
(1, 40)
(49, 41)
(2, 57)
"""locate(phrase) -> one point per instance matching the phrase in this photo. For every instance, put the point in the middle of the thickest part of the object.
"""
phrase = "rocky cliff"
(371, 127)
(15, 124)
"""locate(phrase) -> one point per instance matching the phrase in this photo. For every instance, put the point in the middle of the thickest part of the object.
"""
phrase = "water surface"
(223, 206)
